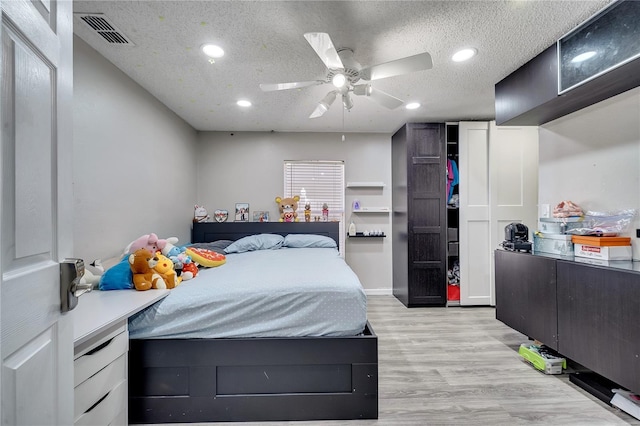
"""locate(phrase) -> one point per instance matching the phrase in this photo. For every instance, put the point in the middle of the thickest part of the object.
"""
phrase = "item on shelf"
(221, 215)
(559, 225)
(453, 292)
(352, 229)
(307, 212)
(605, 223)
(325, 212)
(542, 358)
(552, 243)
(516, 237)
(604, 253)
(288, 208)
(200, 214)
(356, 204)
(601, 241)
(567, 209)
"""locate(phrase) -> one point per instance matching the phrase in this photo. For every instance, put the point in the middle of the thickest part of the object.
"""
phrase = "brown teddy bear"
(142, 262)
(288, 207)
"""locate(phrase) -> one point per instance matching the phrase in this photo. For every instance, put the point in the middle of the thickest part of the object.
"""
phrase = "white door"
(35, 211)
(474, 227)
(498, 175)
(513, 159)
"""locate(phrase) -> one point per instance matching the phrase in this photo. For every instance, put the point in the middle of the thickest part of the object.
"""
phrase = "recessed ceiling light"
(243, 103)
(412, 105)
(212, 50)
(464, 54)
(584, 56)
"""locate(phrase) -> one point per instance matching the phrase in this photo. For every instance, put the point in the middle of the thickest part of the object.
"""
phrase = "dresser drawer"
(102, 352)
(94, 389)
(111, 410)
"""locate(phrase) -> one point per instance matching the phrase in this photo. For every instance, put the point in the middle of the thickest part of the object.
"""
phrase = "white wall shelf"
(372, 210)
(365, 184)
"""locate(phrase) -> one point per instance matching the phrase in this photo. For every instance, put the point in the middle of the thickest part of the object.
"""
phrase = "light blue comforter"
(288, 292)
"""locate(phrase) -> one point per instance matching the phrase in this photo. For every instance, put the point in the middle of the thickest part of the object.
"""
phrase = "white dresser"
(101, 343)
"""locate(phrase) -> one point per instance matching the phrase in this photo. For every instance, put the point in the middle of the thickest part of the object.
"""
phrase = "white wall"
(248, 167)
(592, 157)
(134, 161)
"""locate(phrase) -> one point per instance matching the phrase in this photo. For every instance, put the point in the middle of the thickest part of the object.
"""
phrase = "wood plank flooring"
(460, 366)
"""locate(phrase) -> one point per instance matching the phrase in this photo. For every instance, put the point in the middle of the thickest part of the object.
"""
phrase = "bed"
(261, 370)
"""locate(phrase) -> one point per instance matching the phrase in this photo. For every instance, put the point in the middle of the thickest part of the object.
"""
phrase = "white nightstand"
(101, 343)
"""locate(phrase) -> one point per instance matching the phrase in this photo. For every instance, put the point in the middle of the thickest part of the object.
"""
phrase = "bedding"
(282, 292)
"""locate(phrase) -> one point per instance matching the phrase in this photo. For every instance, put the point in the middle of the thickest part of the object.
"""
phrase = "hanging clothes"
(452, 178)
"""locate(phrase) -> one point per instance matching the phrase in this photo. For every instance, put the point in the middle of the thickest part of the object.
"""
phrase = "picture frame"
(260, 216)
(242, 212)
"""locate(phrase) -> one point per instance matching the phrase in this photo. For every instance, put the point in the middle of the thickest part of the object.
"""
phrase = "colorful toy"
(206, 258)
(325, 212)
(288, 207)
(164, 267)
(307, 212)
(150, 242)
(189, 271)
(177, 254)
(142, 262)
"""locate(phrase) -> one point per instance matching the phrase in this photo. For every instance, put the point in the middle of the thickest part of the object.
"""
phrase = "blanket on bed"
(288, 292)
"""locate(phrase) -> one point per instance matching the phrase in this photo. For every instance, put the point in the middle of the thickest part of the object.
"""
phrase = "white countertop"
(97, 309)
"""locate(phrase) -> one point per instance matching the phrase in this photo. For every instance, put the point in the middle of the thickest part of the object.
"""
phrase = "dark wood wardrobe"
(419, 223)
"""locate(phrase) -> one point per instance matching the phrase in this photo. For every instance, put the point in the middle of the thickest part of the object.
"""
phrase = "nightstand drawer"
(103, 412)
(103, 352)
(93, 390)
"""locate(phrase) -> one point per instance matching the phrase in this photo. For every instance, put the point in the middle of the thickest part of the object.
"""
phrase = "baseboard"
(378, 291)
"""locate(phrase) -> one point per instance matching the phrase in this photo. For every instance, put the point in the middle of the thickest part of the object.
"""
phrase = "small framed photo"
(242, 212)
(260, 216)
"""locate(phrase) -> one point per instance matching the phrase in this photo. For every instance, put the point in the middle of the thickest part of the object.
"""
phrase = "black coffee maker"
(516, 237)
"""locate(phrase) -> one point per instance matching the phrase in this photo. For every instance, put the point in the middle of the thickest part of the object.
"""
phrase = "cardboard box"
(601, 241)
(603, 253)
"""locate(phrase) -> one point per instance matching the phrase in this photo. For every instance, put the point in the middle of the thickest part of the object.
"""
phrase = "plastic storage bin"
(541, 359)
(559, 225)
(552, 243)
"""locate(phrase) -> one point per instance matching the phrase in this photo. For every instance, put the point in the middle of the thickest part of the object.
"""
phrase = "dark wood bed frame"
(254, 379)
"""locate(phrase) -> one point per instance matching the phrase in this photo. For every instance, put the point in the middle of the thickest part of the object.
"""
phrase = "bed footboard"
(218, 380)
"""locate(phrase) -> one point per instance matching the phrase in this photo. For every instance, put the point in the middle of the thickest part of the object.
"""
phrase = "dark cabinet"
(597, 320)
(419, 222)
(526, 295)
(587, 313)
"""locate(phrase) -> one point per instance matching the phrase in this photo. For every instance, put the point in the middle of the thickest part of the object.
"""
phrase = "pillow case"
(118, 277)
(255, 242)
(217, 246)
(308, 241)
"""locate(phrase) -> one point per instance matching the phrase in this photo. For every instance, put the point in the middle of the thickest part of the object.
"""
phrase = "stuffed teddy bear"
(164, 267)
(288, 207)
(142, 262)
(150, 242)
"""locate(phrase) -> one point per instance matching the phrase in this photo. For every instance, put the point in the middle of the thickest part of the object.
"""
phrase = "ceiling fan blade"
(324, 105)
(270, 87)
(406, 65)
(322, 44)
(377, 95)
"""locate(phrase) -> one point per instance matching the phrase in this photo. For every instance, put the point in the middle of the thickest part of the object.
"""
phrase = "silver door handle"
(71, 271)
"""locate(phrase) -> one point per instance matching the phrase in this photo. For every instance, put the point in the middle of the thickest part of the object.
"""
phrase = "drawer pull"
(99, 347)
(98, 402)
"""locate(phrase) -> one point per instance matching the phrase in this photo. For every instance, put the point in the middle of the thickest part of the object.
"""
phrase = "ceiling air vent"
(101, 25)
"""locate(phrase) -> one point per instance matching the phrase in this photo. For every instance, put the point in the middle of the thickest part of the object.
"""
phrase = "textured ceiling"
(264, 43)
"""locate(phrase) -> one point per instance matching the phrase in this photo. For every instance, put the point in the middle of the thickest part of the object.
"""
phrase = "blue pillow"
(255, 242)
(118, 277)
(308, 241)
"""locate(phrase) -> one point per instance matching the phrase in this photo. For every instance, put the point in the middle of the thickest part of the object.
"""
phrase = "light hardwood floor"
(460, 366)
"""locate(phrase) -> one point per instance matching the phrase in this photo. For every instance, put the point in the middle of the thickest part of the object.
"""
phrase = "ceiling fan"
(344, 72)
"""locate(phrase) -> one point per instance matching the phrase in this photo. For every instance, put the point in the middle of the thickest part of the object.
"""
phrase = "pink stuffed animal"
(150, 242)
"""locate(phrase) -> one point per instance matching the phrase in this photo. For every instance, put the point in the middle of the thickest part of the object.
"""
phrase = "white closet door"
(513, 156)
(474, 231)
(498, 185)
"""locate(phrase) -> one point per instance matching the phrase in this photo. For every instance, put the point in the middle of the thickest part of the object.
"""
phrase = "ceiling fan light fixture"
(347, 102)
(362, 90)
(243, 103)
(323, 105)
(583, 57)
(464, 54)
(413, 105)
(339, 80)
(212, 50)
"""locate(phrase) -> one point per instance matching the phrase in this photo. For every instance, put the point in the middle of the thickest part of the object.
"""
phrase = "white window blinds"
(317, 183)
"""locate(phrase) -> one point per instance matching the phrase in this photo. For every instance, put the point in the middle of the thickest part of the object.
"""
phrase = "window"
(317, 183)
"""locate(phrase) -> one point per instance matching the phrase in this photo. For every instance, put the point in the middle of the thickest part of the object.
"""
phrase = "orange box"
(601, 241)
